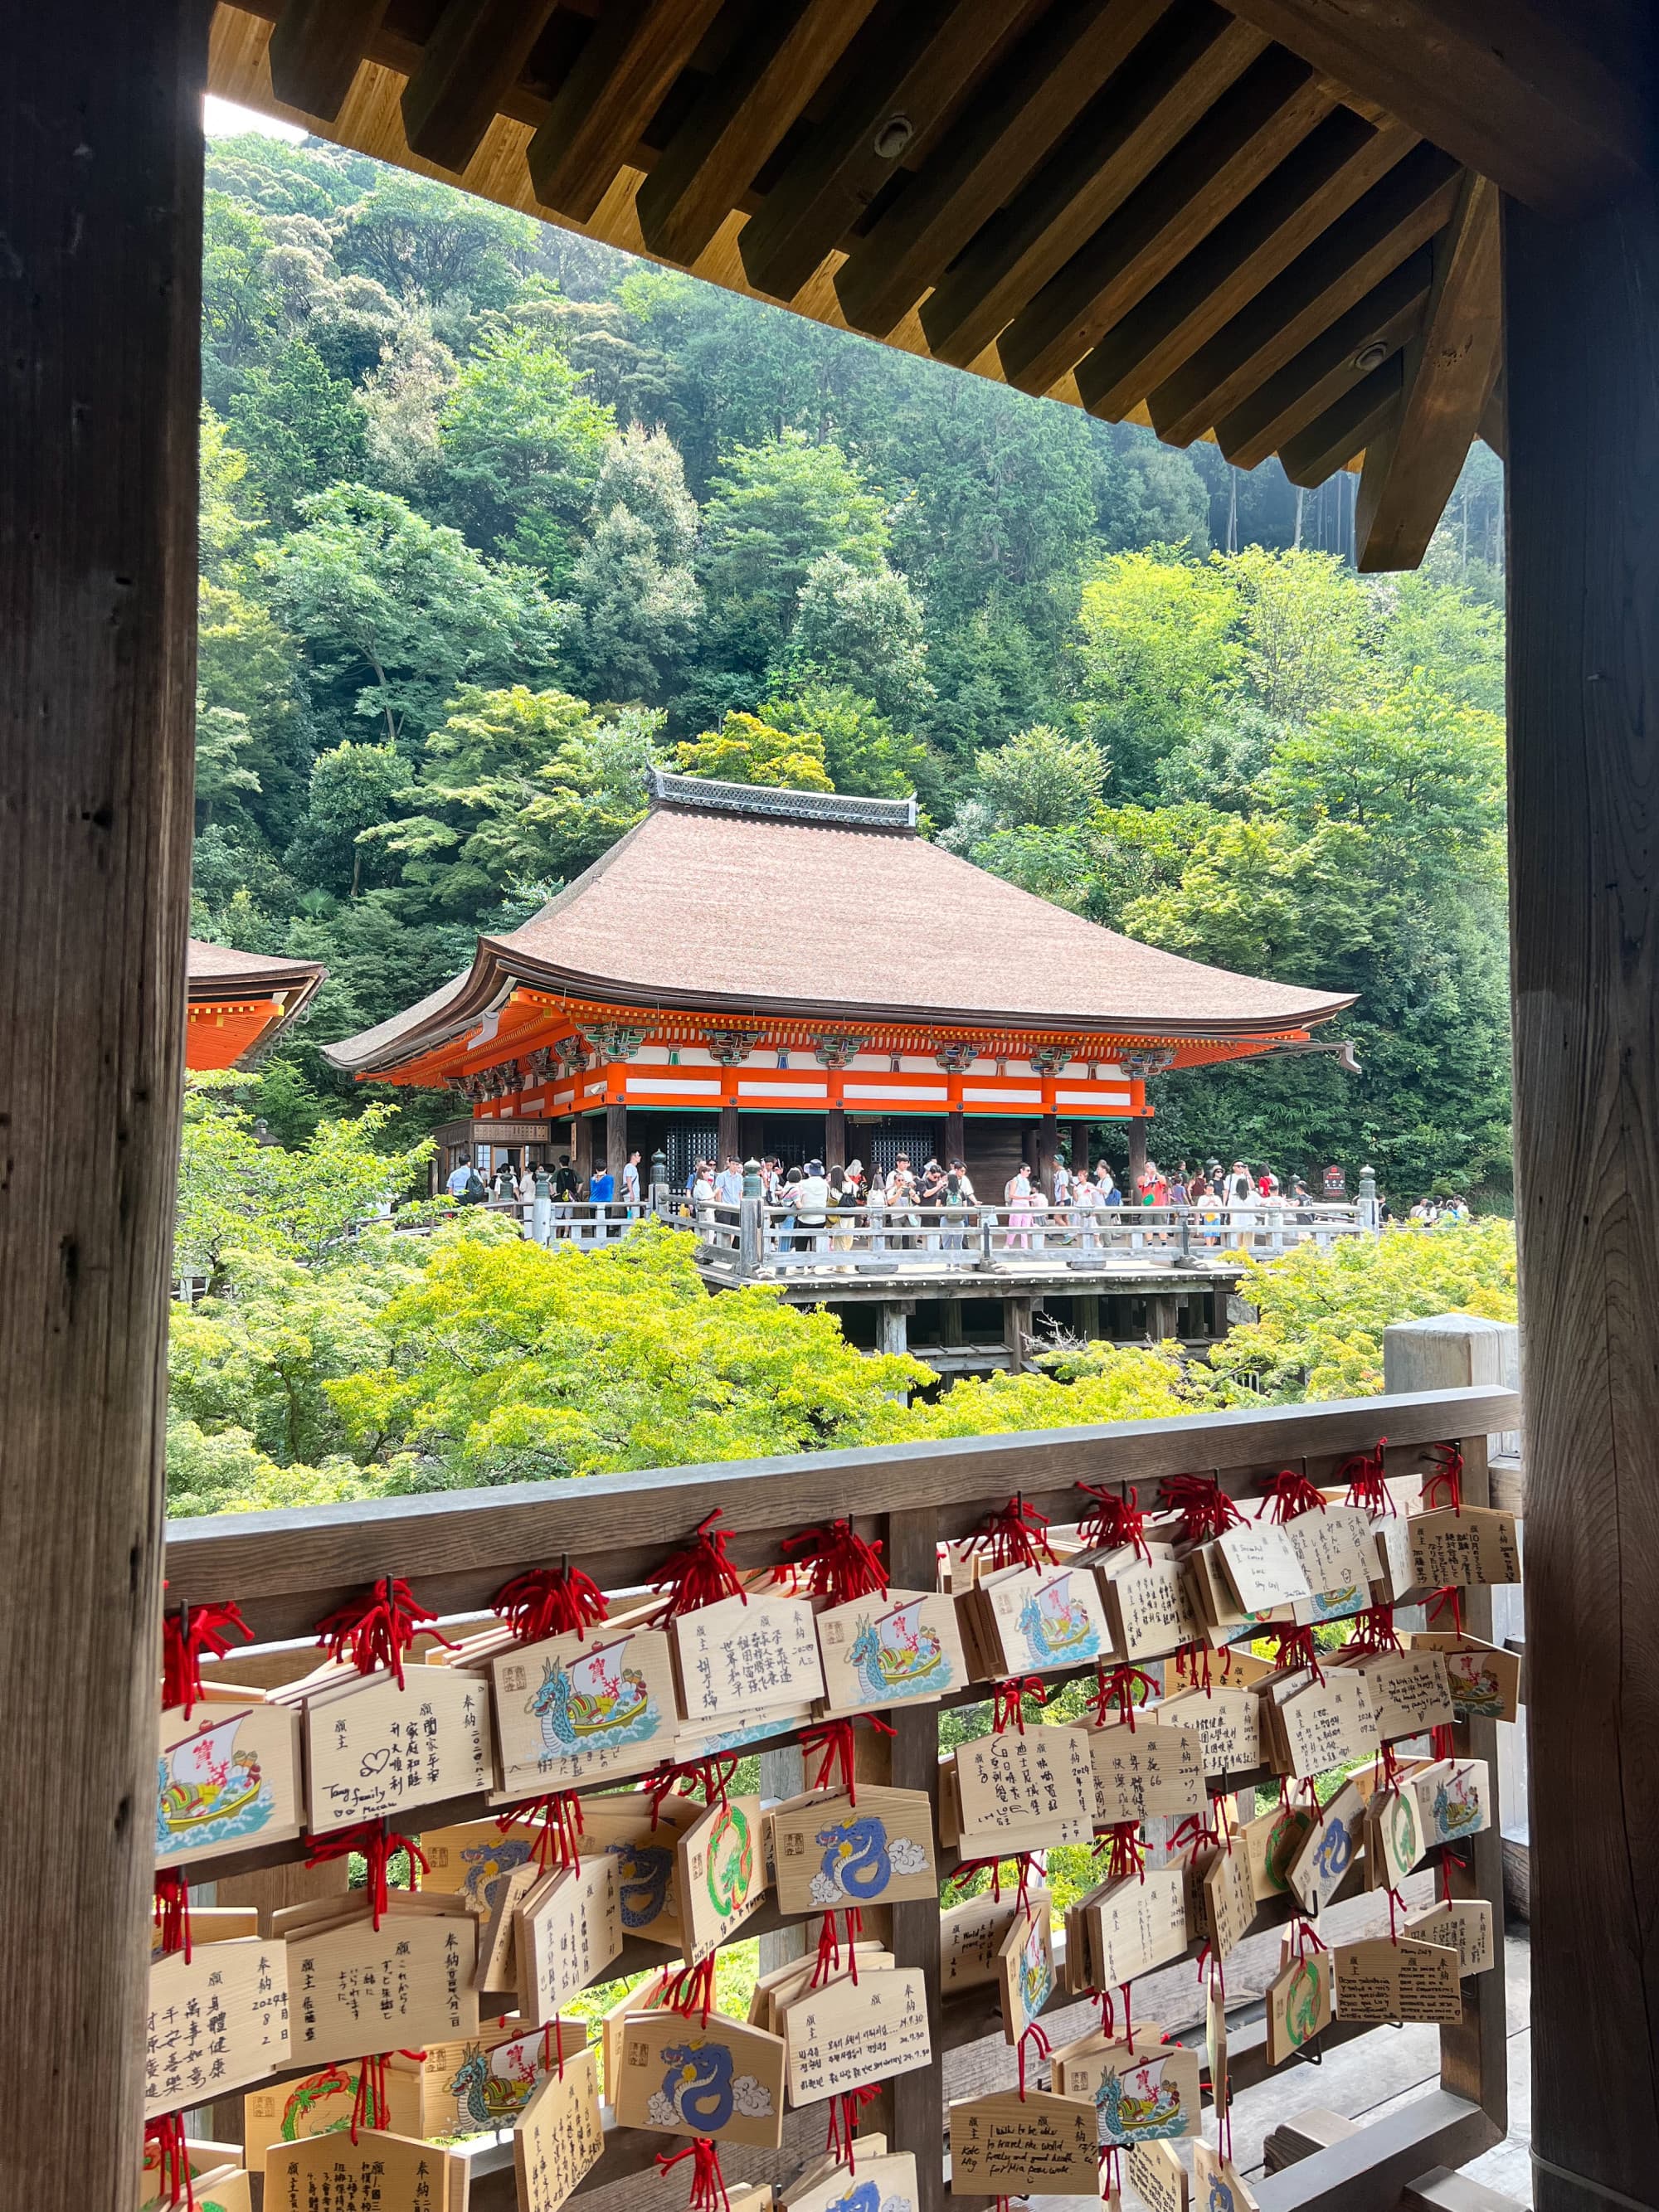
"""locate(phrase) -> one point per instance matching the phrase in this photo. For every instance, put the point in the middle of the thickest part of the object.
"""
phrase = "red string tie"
(1033, 2034)
(1125, 1853)
(377, 1845)
(1022, 1864)
(165, 2134)
(545, 1601)
(560, 1816)
(1295, 1646)
(1007, 1706)
(1116, 1686)
(173, 1911)
(829, 1958)
(831, 1743)
(714, 1777)
(1374, 1630)
(1111, 2175)
(1291, 1495)
(844, 2110)
(707, 2185)
(661, 1782)
(1113, 1519)
(1015, 1535)
(1192, 1664)
(835, 1562)
(185, 1636)
(376, 1628)
(1367, 1480)
(1445, 1486)
(698, 1575)
(1205, 1507)
(691, 1990)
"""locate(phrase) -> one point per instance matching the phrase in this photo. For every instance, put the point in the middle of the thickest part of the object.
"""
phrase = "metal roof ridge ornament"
(818, 810)
(1155, 1061)
(837, 1050)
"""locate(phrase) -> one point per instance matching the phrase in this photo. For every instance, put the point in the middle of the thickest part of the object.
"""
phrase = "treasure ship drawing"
(596, 1702)
(206, 1787)
(494, 2086)
(1476, 1691)
(1456, 1807)
(1037, 1972)
(1055, 1624)
(1139, 2105)
(897, 1655)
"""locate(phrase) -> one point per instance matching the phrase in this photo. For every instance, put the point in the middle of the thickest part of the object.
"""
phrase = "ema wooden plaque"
(890, 1650)
(1019, 1791)
(567, 1930)
(880, 2182)
(687, 2076)
(745, 1656)
(574, 1708)
(1217, 2182)
(482, 2083)
(1459, 1547)
(559, 2136)
(849, 2032)
(373, 1750)
(1381, 1980)
(227, 1778)
(215, 2023)
(829, 1852)
(1298, 2005)
(1038, 2145)
(1153, 1767)
(645, 1849)
(473, 1861)
(1463, 1924)
(322, 2103)
(1025, 1969)
(721, 1874)
(353, 1988)
(1159, 2178)
(330, 2174)
(1227, 1724)
(970, 1937)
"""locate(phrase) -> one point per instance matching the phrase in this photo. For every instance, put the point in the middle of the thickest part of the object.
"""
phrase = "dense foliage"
(491, 515)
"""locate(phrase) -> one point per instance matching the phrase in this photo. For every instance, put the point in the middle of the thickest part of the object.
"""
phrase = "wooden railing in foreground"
(287, 1568)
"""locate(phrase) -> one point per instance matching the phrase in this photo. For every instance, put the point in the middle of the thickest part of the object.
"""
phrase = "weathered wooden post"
(100, 179)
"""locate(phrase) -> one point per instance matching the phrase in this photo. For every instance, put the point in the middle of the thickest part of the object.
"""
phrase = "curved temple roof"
(729, 899)
(260, 995)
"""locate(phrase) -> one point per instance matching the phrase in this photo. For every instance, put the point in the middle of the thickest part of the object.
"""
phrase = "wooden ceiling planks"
(1166, 211)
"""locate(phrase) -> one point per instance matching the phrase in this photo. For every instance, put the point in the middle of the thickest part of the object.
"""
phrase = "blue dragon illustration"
(856, 1857)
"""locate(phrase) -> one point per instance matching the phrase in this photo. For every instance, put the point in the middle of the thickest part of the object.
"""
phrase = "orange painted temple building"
(753, 970)
(241, 1002)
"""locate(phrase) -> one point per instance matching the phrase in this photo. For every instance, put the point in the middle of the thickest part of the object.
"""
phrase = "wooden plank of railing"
(285, 1569)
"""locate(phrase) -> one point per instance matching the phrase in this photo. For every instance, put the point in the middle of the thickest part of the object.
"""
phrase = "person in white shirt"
(812, 1209)
(631, 1185)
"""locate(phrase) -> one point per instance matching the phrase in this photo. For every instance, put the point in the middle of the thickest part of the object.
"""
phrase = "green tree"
(860, 626)
(863, 753)
(248, 666)
(301, 428)
(1043, 779)
(223, 778)
(1305, 621)
(403, 400)
(745, 749)
(634, 581)
(241, 310)
(353, 788)
(399, 613)
(425, 241)
(521, 444)
(517, 787)
(1158, 653)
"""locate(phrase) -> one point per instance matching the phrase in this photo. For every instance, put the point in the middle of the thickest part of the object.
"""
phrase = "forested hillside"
(491, 515)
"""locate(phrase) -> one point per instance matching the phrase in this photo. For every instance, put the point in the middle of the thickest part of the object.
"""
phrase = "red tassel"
(166, 2133)
(377, 1845)
(844, 2110)
(833, 1740)
(1295, 1646)
(377, 1628)
(690, 1991)
(559, 1844)
(1021, 1861)
(708, 2186)
(173, 1911)
(1111, 2177)
(1374, 1630)
(1445, 1486)
(1125, 1853)
(1116, 1687)
(698, 1575)
(1291, 1495)
(185, 1635)
(1192, 1664)
(1113, 1519)
(545, 1601)
(828, 1959)
(1016, 1535)
(661, 1782)
(1008, 1707)
(1367, 1480)
(835, 1562)
(1205, 1507)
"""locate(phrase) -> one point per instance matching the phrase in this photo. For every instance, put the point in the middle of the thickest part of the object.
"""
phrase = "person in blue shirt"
(602, 1189)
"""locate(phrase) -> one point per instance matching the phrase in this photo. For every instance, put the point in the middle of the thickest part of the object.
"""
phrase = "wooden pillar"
(101, 178)
(1079, 1146)
(1047, 1151)
(893, 1325)
(581, 1149)
(1137, 1152)
(1017, 1317)
(835, 1137)
(616, 1143)
(1583, 397)
(1087, 1309)
(729, 1141)
(956, 1139)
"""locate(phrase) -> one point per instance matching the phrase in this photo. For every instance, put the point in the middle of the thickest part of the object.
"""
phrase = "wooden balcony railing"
(287, 1568)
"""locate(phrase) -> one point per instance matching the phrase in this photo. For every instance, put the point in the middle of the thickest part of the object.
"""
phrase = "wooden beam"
(1346, 261)
(987, 156)
(1555, 103)
(1449, 370)
(1494, 422)
(714, 155)
(1316, 378)
(1321, 179)
(633, 53)
(914, 69)
(473, 57)
(1170, 81)
(1345, 429)
(315, 50)
(101, 178)
(1582, 405)
(1231, 150)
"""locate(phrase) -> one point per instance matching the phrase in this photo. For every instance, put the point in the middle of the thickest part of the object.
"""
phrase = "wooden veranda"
(1318, 228)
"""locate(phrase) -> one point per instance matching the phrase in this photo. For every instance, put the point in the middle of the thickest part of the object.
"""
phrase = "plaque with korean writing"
(1024, 1791)
(1461, 1546)
(830, 1850)
(214, 2024)
(559, 2136)
(849, 2032)
(353, 1988)
(227, 1778)
(567, 1930)
(378, 2173)
(1153, 1767)
(1038, 2145)
(684, 2075)
(890, 1650)
(574, 1708)
(373, 1750)
(1381, 1980)
(744, 1658)
(721, 1872)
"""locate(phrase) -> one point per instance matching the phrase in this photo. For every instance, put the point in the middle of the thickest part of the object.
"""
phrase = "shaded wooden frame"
(287, 1568)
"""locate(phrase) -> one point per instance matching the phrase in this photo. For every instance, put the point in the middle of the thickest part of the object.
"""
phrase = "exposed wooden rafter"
(633, 54)
(470, 64)
(1449, 369)
(316, 48)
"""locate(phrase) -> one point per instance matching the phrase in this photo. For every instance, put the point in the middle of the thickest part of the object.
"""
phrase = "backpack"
(475, 1193)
